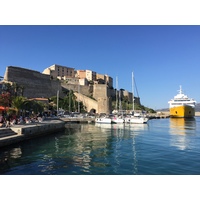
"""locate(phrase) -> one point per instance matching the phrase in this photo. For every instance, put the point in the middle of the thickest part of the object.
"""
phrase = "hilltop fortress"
(94, 90)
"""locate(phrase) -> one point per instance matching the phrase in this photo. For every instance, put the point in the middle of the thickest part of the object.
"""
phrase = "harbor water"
(161, 147)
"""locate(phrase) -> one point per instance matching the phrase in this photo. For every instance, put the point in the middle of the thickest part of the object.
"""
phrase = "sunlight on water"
(180, 128)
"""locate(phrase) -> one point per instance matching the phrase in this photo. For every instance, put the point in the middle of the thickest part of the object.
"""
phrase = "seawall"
(19, 133)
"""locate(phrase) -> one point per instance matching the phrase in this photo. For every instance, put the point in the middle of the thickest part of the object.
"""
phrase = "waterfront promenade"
(18, 133)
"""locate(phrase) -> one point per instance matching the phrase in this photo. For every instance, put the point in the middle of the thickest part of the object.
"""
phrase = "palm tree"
(18, 103)
(32, 106)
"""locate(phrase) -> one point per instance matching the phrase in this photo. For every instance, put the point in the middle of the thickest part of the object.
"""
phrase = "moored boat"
(117, 120)
(181, 105)
(140, 119)
(136, 118)
(103, 120)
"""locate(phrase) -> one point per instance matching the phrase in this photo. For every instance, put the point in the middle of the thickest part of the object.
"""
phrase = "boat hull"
(103, 120)
(117, 121)
(182, 111)
(137, 120)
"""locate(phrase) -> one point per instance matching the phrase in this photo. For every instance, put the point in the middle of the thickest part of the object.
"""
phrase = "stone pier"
(18, 133)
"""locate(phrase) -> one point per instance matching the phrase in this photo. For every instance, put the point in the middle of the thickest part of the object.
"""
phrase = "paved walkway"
(21, 132)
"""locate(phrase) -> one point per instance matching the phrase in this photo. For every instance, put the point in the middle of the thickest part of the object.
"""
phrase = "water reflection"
(81, 149)
(104, 126)
(181, 129)
(103, 148)
(91, 146)
(125, 135)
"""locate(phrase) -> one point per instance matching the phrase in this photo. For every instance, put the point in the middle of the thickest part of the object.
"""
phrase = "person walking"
(1, 121)
(8, 118)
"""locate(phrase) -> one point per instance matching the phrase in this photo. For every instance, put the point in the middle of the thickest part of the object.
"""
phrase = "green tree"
(18, 103)
(5, 99)
(32, 106)
(69, 102)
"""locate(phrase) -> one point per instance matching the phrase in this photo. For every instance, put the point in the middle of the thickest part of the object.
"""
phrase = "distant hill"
(197, 108)
(162, 110)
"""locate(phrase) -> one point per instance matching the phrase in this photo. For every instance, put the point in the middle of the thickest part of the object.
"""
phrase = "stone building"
(104, 79)
(90, 75)
(81, 74)
(86, 74)
(60, 72)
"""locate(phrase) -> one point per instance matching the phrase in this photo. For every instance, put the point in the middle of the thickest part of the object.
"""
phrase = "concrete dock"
(18, 133)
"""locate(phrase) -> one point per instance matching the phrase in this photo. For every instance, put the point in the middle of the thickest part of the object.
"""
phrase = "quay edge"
(20, 133)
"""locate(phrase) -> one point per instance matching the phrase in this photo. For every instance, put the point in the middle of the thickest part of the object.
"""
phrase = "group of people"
(10, 120)
(5, 121)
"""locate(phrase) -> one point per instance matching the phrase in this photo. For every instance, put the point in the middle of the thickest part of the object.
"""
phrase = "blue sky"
(162, 57)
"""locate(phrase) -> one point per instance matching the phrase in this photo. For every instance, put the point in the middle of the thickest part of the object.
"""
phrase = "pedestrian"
(1, 121)
(8, 118)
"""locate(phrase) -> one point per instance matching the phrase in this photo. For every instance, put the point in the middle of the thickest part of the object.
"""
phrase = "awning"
(3, 108)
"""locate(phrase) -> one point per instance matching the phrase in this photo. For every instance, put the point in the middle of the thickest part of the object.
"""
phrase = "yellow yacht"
(182, 106)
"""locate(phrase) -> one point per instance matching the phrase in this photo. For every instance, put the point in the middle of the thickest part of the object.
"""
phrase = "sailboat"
(117, 118)
(103, 120)
(136, 118)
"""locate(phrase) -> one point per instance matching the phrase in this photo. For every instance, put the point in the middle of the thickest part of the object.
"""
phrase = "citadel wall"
(103, 96)
(86, 90)
(88, 102)
(35, 83)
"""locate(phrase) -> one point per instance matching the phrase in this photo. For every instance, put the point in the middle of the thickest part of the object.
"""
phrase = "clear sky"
(162, 57)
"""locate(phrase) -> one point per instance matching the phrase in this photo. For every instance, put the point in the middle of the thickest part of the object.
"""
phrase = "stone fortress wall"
(83, 89)
(38, 85)
(35, 83)
(90, 104)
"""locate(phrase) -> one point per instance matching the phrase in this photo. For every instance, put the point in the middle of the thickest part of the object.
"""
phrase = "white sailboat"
(103, 120)
(117, 118)
(136, 118)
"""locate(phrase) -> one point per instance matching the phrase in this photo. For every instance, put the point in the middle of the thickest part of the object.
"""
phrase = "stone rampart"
(35, 83)
(103, 96)
(86, 90)
(88, 102)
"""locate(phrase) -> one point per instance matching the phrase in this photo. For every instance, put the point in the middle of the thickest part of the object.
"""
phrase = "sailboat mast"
(57, 101)
(116, 106)
(78, 98)
(133, 89)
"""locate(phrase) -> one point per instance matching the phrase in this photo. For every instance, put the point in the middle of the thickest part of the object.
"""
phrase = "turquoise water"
(161, 147)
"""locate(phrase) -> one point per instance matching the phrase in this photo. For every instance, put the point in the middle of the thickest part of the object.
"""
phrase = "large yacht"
(182, 106)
